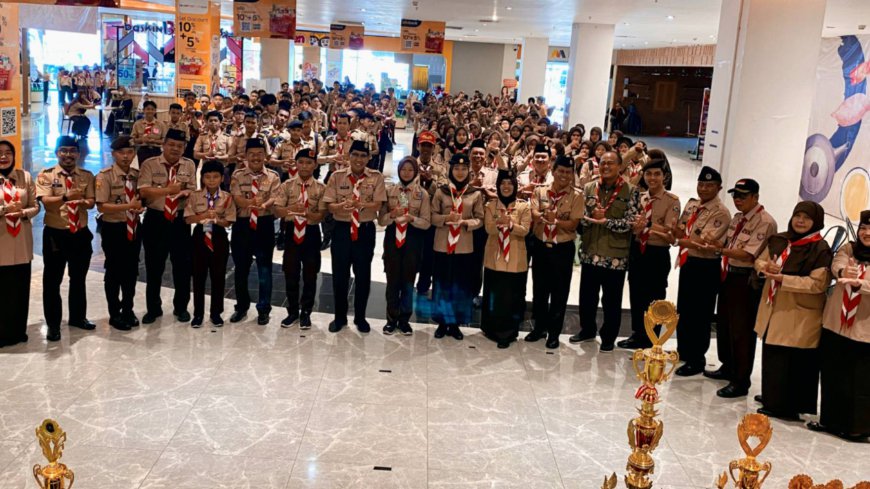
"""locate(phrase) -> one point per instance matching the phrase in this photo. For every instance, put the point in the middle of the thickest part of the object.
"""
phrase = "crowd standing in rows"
(492, 190)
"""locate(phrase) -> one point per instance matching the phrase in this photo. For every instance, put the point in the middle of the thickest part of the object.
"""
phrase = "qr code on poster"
(246, 27)
(9, 124)
(408, 44)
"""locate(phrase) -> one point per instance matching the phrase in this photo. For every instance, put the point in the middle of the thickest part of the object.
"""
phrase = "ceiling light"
(625, 23)
(712, 36)
(510, 8)
(646, 43)
(476, 30)
(670, 17)
(362, 10)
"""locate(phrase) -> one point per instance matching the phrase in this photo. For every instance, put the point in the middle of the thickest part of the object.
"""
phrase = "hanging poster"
(10, 77)
(231, 62)
(311, 39)
(265, 18)
(343, 36)
(197, 44)
(82, 3)
(423, 36)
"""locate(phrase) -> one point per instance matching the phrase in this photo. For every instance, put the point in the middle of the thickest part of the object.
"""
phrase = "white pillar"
(275, 58)
(509, 62)
(588, 88)
(533, 68)
(762, 95)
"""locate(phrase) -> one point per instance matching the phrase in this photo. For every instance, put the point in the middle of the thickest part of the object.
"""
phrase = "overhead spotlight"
(509, 8)
(670, 17)
(362, 10)
(712, 36)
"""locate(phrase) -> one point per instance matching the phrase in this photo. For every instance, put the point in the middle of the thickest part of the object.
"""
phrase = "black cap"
(358, 145)
(745, 186)
(624, 140)
(176, 135)
(865, 218)
(305, 153)
(709, 175)
(478, 143)
(542, 148)
(295, 124)
(65, 141)
(212, 166)
(459, 159)
(255, 143)
(122, 142)
(508, 173)
(565, 161)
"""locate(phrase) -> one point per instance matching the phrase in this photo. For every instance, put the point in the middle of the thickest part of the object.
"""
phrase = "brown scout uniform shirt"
(110, 190)
(223, 205)
(288, 194)
(142, 128)
(50, 182)
(860, 329)
(240, 185)
(335, 145)
(521, 218)
(571, 206)
(753, 236)
(180, 126)
(286, 149)
(221, 144)
(154, 174)
(665, 212)
(472, 210)
(711, 223)
(19, 250)
(339, 189)
(418, 205)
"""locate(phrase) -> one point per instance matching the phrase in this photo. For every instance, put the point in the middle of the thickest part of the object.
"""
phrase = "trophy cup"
(645, 431)
(54, 475)
(748, 468)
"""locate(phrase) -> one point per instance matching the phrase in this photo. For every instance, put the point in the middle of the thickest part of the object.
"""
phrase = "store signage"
(311, 39)
(164, 28)
(558, 55)
(10, 78)
(346, 36)
(197, 46)
(127, 72)
(265, 18)
(81, 3)
(422, 36)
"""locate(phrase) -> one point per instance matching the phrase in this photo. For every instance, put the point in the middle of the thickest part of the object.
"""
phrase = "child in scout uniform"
(148, 133)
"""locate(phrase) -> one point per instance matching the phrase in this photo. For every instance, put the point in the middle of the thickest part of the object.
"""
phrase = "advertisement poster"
(197, 43)
(346, 36)
(10, 77)
(231, 62)
(834, 171)
(81, 3)
(265, 18)
(311, 39)
(422, 36)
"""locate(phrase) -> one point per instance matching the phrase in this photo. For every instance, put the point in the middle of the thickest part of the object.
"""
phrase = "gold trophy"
(645, 431)
(748, 468)
(54, 475)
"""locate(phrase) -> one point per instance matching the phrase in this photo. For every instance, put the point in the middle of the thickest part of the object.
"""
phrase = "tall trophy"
(750, 472)
(54, 475)
(651, 366)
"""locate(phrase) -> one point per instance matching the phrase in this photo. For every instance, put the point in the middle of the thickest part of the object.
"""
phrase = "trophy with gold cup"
(54, 475)
(750, 472)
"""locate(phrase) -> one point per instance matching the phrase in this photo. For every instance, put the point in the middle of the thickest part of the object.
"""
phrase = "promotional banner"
(231, 62)
(311, 39)
(82, 3)
(346, 36)
(835, 165)
(197, 45)
(265, 18)
(422, 36)
(10, 78)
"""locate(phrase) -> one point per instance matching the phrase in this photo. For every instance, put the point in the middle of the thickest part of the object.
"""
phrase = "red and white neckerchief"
(132, 217)
(730, 244)
(339, 144)
(402, 228)
(149, 128)
(255, 189)
(851, 300)
(633, 170)
(455, 229)
(301, 222)
(783, 257)
(212, 142)
(619, 183)
(354, 215)
(72, 215)
(684, 252)
(210, 200)
(550, 232)
(504, 238)
(11, 195)
(170, 203)
(643, 237)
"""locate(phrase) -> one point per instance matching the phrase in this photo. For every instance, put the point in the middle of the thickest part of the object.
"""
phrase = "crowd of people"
(493, 190)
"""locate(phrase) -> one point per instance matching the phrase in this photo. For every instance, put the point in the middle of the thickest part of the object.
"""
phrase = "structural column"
(589, 74)
(762, 95)
(533, 68)
(275, 58)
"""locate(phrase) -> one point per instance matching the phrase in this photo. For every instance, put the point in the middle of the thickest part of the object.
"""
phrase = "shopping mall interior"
(764, 97)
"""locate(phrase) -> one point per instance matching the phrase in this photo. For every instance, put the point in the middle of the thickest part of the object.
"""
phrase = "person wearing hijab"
(796, 267)
(457, 210)
(406, 215)
(18, 206)
(507, 221)
(845, 343)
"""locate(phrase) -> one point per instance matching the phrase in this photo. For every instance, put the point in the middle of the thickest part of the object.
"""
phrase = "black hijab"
(502, 176)
(802, 260)
(459, 159)
(859, 251)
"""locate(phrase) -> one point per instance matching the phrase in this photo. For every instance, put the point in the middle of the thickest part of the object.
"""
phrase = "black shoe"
(632, 343)
(183, 316)
(389, 329)
(119, 324)
(455, 332)
(782, 416)
(217, 321)
(336, 325)
(280, 246)
(53, 334)
(731, 391)
(719, 374)
(196, 322)
(535, 335)
(150, 317)
(405, 329)
(305, 320)
(290, 319)
(757, 398)
(263, 318)
(440, 331)
(238, 316)
(552, 342)
(326, 243)
(83, 324)
(362, 325)
(130, 318)
(503, 344)
(817, 427)
(688, 369)
(606, 347)
(582, 336)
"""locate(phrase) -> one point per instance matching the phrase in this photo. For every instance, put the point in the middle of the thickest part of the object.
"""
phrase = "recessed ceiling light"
(476, 30)
(510, 8)
(673, 40)
(712, 36)
(646, 43)
(670, 17)
(362, 10)
(625, 23)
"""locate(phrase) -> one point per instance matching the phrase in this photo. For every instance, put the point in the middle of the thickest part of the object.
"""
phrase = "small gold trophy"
(53, 476)
(748, 468)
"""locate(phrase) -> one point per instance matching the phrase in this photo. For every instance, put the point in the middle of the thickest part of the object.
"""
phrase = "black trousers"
(451, 291)
(122, 266)
(302, 259)
(845, 384)
(400, 266)
(735, 325)
(479, 238)
(504, 304)
(551, 283)
(211, 264)
(358, 255)
(62, 251)
(15, 303)
(609, 283)
(145, 152)
(248, 245)
(647, 282)
(789, 378)
(696, 300)
(163, 239)
(424, 280)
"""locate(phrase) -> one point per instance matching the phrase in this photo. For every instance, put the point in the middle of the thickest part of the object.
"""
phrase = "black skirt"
(451, 291)
(790, 379)
(845, 384)
(504, 304)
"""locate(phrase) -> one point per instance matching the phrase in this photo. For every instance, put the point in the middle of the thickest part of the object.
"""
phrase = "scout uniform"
(66, 240)
(353, 240)
(164, 232)
(403, 245)
(699, 275)
(148, 128)
(438, 172)
(286, 151)
(180, 126)
(335, 145)
(120, 238)
(554, 256)
(217, 144)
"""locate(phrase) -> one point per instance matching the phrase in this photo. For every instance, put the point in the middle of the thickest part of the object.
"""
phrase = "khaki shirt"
(223, 205)
(154, 174)
(531, 176)
(472, 210)
(711, 224)
(665, 212)
(339, 189)
(289, 192)
(220, 141)
(154, 128)
(521, 218)
(50, 182)
(488, 178)
(753, 236)
(180, 126)
(570, 207)
(267, 180)
(110, 189)
(418, 205)
(336, 145)
(287, 149)
(860, 330)
(18, 250)
(438, 169)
